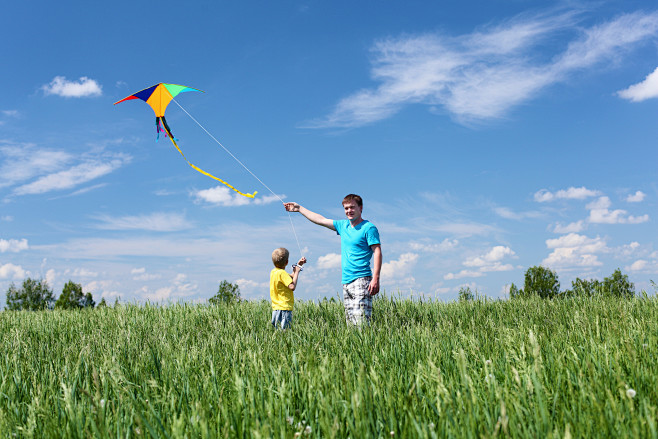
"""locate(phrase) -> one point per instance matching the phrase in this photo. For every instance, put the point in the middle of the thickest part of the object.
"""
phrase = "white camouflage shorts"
(358, 301)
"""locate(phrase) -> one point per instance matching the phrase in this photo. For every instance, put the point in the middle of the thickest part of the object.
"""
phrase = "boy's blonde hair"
(280, 257)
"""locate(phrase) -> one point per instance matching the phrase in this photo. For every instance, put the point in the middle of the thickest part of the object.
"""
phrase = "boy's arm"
(311, 216)
(295, 273)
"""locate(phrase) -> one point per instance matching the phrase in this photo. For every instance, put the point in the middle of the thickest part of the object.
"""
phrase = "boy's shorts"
(358, 301)
(281, 317)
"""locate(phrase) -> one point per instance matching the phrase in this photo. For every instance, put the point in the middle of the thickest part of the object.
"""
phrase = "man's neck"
(355, 222)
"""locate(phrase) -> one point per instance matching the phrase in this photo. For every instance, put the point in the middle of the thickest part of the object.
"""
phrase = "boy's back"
(282, 297)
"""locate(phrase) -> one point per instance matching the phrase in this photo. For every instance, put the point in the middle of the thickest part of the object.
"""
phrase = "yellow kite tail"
(171, 137)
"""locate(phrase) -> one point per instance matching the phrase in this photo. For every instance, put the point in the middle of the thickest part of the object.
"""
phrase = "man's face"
(352, 210)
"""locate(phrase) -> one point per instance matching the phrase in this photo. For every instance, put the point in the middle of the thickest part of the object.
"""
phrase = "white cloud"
(140, 274)
(13, 245)
(484, 74)
(11, 271)
(399, 268)
(487, 262)
(600, 214)
(462, 274)
(223, 196)
(156, 222)
(102, 288)
(573, 193)
(636, 197)
(574, 250)
(80, 272)
(638, 265)
(628, 249)
(641, 91)
(51, 276)
(180, 289)
(496, 254)
(329, 261)
(85, 87)
(574, 227)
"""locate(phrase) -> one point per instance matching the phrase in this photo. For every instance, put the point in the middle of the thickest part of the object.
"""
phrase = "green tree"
(72, 297)
(618, 285)
(514, 292)
(542, 282)
(32, 296)
(466, 294)
(227, 293)
(102, 304)
(585, 288)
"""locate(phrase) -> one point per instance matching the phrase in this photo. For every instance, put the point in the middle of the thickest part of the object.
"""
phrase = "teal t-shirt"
(355, 248)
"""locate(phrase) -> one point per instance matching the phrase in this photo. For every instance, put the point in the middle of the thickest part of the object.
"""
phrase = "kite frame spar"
(158, 96)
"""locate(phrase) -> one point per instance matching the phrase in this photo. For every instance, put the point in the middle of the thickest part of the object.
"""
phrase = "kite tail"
(173, 140)
(166, 127)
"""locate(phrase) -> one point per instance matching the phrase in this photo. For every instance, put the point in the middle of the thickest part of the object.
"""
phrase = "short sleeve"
(372, 236)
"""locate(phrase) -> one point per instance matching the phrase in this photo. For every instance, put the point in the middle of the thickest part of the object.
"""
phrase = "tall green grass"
(525, 368)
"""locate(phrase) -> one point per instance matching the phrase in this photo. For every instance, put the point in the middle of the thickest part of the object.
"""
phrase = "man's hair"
(353, 197)
(280, 257)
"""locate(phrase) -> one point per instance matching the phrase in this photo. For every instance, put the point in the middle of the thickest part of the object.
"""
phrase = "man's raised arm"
(311, 216)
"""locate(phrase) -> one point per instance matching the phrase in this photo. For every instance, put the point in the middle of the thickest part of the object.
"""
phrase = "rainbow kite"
(158, 97)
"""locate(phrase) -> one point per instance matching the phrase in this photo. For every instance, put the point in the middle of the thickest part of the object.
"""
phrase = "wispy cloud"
(431, 247)
(84, 87)
(156, 222)
(484, 74)
(641, 91)
(21, 162)
(90, 169)
(52, 169)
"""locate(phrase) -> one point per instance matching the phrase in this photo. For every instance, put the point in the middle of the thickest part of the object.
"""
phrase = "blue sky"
(484, 136)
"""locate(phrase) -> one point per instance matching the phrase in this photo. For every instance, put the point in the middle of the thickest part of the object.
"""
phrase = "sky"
(485, 137)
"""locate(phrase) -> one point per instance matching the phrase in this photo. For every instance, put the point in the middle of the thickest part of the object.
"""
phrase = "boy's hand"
(301, 261)
(291, 207)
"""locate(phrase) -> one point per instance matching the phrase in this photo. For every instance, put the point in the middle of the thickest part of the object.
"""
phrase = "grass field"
(522, 368)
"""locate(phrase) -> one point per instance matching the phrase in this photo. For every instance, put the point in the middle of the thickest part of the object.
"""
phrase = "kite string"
(243, 165)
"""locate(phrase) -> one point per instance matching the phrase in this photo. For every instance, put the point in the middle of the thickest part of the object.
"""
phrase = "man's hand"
(373, 287)
(301, 261)
(291, 207)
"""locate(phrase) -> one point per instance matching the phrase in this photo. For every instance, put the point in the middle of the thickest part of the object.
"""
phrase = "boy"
(282, 287)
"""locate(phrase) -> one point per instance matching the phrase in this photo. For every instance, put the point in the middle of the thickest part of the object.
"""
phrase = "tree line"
(539, 281)
(36, 295)
(543, 282)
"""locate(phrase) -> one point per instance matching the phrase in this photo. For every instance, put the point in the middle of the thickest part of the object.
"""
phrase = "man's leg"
(358, 301)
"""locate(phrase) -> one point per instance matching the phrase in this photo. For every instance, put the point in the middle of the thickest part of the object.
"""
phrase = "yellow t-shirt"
(282, 296)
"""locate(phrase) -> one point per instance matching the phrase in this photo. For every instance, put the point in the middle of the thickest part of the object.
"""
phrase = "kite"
(158, 97)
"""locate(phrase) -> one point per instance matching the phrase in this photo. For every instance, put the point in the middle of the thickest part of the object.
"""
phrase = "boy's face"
(352, 211)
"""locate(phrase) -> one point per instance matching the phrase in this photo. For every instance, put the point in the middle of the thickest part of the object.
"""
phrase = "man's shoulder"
(367, 225)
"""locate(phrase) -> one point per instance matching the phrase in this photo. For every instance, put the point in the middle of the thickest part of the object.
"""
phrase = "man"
(359, 242)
